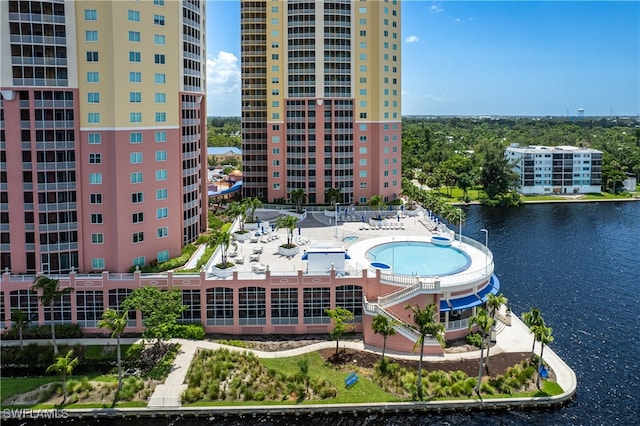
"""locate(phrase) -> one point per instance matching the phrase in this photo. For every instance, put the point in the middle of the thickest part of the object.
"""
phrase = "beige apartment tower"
(102, 133)
(321, 99)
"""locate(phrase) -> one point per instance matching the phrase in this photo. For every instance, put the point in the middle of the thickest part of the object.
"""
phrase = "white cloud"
(412, 39)
(436, 8)
(457, 20)
(223, 85)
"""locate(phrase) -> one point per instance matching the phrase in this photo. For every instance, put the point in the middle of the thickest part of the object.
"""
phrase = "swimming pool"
(420, 258)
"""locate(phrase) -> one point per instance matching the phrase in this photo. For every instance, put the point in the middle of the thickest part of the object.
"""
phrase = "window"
(138, 261)
(161, 213)
(91, 35)
(160, 78)
(161, 194)
(136, 177)
(93, 97)
(93, 77)
(163, 256)
(137, 217)
(133, 15)
(161, 98)
(135, 158)
(97, 238)
(135, 117)
(134, 36)
(95, 158)
(159, 39)
(95, 198)
(161, 155)
(94, 117)
(161, 175)
(135, 97)
(163, 232)
(161, 136)
(134, 56)
(92, 56)
(159, 59)
(158, 2)
(90, 15)
(97, 263)
(363, 173)
(138, 237)
(96, 218)
(137, 197)
(135, 137)
(161, 117)
(158, 19)
(135, 77)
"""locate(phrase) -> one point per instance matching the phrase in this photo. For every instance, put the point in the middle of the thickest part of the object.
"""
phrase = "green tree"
(50, 291)
(298, 197)
(64, 365)
(223, 240)
(494, 302)
(544, 335)
(289, 223)
(235, 209)
(376, 203)
(160, 309)
(20, 322)
(533, 318)
(384, 326)
(484, 323)
(116, 322)
(426, 325)
(341, 318)
(496, 174)
(333, 196)
(252, 204)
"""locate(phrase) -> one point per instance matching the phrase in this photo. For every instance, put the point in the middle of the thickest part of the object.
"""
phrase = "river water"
(580, 264)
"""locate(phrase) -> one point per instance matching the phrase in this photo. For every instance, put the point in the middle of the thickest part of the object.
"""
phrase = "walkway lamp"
(335, 234)
(486, 245)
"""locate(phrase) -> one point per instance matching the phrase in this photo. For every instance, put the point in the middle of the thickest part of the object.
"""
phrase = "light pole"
(335, 234)
(460, 214)
(486, 245)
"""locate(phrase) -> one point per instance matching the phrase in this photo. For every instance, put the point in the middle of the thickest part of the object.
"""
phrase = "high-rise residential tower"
(102, 133)
(321, 99)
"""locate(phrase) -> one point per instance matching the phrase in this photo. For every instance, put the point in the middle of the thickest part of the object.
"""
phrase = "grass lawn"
(15, 386)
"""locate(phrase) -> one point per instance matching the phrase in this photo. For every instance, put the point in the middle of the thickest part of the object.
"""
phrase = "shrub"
(474, 339)
(188, 331)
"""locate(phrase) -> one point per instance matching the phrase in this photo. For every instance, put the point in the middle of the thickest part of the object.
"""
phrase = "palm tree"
(116, 322)
(333, 196)
(543, 334)
(484, 323)
(64, 365)
(49, 292)
(20, 322)
(376, 203)
(493, 304)
(288, 222)
(425, 320)
(252, 204)
(383, 325)
(235, 209)
(223, 240)
(297, 197)
(531, 319)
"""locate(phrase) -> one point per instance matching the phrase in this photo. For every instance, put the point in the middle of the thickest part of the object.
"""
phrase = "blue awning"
(491, 288)
(465, 302)
(444, 306)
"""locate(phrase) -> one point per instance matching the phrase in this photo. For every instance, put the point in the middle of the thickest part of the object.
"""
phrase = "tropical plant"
(288, 222)
(376, 203)
(116, 322)
(332, 195)
(484, 323)
(64, 365)
(235, 209)
(531, 319)
(20, 322)
(223, 240)
(426, 325)
(340, 317)
(493, 304)
(298, 197)
(544, 335)
(50, 291)
(383, 325)
(252, 204)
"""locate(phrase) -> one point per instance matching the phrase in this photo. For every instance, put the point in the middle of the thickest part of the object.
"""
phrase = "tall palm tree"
(484, 323)
(383, 325)
(544, 335)
(531, 319)
(50, 291)
(493, 304)
(425, 320)
(298, 197)
(20, 322)
(252, 204)
(288, 222)
(376, 203)
(64, 365)
(333, 196)
(223, 240)
(116, 322)
(235, 209)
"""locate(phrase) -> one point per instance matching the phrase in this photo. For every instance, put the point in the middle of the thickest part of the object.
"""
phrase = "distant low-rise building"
(224, 154)
(556, 169)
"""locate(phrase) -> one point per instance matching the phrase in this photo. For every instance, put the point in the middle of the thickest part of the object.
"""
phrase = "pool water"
(420, 258)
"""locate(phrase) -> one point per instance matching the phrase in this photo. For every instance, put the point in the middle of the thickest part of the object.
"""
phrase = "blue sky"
(484, 58)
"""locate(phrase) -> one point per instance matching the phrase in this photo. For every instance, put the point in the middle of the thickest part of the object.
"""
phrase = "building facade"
(102, 133)
(321, 99)
(556, 169)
